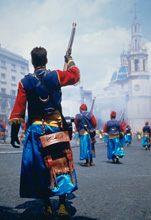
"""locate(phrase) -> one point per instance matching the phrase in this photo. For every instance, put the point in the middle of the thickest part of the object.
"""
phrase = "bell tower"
(139, 98)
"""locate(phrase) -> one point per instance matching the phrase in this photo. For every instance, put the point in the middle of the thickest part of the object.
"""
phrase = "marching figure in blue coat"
(2, 131)
(113, 128)
(85, 122)
(49, 171)
(146, 136)
(128, 134)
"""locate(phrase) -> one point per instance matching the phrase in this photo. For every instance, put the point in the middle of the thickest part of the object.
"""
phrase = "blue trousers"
(35, 177)
(114, 148)
(85, 147)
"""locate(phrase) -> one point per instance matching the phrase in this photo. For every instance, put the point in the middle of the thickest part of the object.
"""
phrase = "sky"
(103, 30)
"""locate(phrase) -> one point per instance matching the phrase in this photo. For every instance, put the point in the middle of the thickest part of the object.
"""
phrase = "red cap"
(83, 107)
(127, 126)
(146, 123)
(113, 114)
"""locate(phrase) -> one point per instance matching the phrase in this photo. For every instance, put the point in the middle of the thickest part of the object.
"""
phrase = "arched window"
(144, 62)
(135, 27)
(139, 28)
(136, 44)
(136, 65)
(129, 66)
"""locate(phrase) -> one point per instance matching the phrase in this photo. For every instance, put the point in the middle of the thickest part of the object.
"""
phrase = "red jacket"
(69, 77)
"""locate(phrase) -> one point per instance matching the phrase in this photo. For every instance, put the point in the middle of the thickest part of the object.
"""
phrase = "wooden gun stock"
(69, 49)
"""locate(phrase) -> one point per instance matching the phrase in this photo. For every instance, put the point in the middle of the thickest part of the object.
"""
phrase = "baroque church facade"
(129, 87)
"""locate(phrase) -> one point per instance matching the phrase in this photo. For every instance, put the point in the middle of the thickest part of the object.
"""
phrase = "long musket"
(122, 116)
(92, 104)
(69, 49)
(93, 131)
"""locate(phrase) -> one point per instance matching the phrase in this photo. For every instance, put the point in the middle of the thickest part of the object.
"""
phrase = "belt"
(105, 133)
(111, 136)
(146, 135)
(84, 132)
(53, 119)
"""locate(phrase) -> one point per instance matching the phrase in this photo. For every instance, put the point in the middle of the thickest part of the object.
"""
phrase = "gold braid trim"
(16, 121)
(70, 61)
(146, 135)
(112, 136)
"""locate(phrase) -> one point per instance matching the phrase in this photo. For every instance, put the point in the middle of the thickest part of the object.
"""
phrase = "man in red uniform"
(56, 176)
(2, 130)
(113, 128)
(128, 134)
(85, 123)
(146, 136)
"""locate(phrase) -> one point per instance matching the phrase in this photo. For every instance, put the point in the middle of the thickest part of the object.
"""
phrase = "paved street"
(106, 191)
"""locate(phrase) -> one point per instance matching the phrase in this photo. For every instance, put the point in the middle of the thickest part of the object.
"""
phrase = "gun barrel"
(69, 49)
(72, 36)
(122, 115)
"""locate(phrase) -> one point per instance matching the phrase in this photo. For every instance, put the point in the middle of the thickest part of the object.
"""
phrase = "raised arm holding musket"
(42, 176)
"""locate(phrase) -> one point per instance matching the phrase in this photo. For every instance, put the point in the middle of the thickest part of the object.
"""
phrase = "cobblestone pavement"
(106, 191)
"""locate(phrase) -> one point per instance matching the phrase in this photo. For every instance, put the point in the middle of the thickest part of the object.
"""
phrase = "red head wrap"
(127, 126)
(146, 123)
(83, 107)
(113, 114)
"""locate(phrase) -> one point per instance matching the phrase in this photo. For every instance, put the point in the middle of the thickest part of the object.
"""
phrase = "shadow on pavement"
(31, 213)
(83, 218)
(110, 162)
(28, 210)
(33, 210)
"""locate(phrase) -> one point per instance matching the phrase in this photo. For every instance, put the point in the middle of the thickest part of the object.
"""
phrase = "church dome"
(120, 74)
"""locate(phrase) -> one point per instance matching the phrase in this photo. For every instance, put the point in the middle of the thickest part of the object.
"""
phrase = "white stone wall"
(12, 75)
(139, 87)
(12, 69)
(139, 111)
